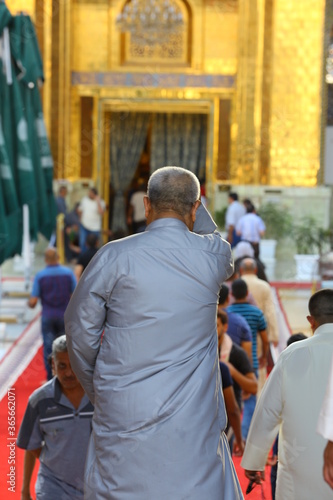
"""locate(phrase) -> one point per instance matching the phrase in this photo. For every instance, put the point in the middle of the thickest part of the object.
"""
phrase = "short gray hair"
(173, 188)
(248, 264)
(59, 345)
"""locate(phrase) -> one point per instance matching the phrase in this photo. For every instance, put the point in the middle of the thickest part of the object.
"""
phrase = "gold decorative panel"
(174, 51)
(90, 35)
(16, 6)
(296, 92)
(220, 36)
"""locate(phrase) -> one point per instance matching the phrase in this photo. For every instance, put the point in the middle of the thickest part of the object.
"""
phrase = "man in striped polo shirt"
(56, 429)
(257, 324)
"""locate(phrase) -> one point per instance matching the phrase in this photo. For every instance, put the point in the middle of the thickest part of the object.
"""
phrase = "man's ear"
(194, 209)
(312, 322)
(147, 204)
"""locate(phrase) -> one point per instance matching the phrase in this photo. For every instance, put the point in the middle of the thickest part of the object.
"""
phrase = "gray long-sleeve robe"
(154, 379)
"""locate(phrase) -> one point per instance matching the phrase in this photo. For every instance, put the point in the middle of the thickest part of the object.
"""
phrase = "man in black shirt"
(92, 243)
(238, 362)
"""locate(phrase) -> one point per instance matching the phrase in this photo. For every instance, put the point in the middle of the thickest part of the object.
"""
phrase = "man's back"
(262, 294)
(54, 285)
(238, 328)
(250, 227)
(256, 321)
(234, 212)
(154, 382)
(292, 397)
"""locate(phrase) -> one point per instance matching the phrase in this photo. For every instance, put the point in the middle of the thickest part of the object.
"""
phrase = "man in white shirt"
(289, 403)
(325, 429)
(91, 209)
(136, 216)
(234, 212)
(251, 228)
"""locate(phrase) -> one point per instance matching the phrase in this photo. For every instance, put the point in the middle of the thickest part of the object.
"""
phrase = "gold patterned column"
(264, 167)
(60, 87)
(324, 115)
(295, 124)
(246, 129)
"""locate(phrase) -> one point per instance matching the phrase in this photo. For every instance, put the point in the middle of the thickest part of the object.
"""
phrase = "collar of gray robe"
(166, 222)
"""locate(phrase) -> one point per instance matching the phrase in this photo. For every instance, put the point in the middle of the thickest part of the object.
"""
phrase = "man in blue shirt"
(257, 323)
(54, 286)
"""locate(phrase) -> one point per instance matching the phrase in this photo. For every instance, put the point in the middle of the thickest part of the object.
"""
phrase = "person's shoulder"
(252, 308)
(238, 351)
(237, 318)
(239, 356)
(46, 391)
(299, 349)
(260, 283)
(65, 270)
(40, 273)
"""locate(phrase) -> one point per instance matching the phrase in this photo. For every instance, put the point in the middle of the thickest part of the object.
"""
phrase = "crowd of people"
(137, 339)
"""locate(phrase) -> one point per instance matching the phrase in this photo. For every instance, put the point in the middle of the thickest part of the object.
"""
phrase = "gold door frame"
(209, 107)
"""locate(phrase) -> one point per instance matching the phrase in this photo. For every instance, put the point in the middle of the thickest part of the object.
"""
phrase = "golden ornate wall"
(296, 102)
(256, 64)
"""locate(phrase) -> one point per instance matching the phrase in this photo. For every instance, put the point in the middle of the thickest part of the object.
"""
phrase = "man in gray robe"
(154, 376)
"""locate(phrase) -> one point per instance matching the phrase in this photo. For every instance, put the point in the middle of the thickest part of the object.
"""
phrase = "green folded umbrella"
(29, 73)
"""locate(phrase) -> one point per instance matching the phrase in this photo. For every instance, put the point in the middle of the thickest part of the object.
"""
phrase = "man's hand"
(26, 496)
(32, 302)
(262, 362)
(328, 464)
(257, 476)
(238, 448)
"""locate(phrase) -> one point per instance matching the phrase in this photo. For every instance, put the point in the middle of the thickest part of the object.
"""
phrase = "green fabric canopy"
(26, 165)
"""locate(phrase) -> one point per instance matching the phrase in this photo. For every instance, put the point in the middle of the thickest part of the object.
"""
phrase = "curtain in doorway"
(179, 139)
(127, 140)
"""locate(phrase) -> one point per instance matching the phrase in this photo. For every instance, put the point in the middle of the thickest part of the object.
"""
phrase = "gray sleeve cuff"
(204, 223)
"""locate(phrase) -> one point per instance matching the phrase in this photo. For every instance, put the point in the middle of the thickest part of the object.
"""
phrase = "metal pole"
(26, 247)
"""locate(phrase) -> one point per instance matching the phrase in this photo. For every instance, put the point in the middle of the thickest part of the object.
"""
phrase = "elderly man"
(263, 295)
(154, 377)
(56, 429)
(290, 402)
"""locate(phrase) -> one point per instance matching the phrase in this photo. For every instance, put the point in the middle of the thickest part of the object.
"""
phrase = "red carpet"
(30, 380)
(256, 493)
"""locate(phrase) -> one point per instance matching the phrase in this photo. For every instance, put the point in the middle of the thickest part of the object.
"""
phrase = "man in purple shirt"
(54, 286)
(238, 328)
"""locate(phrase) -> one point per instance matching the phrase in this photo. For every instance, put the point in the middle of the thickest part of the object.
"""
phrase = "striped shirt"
(52, 423)
(256, 321)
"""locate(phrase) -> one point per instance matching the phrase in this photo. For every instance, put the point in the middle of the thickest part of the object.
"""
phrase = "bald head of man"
(51, 256)
(248, 266)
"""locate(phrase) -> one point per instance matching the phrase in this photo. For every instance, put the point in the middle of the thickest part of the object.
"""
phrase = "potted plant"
(278, 224)
(219, 218)
(311, 242)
